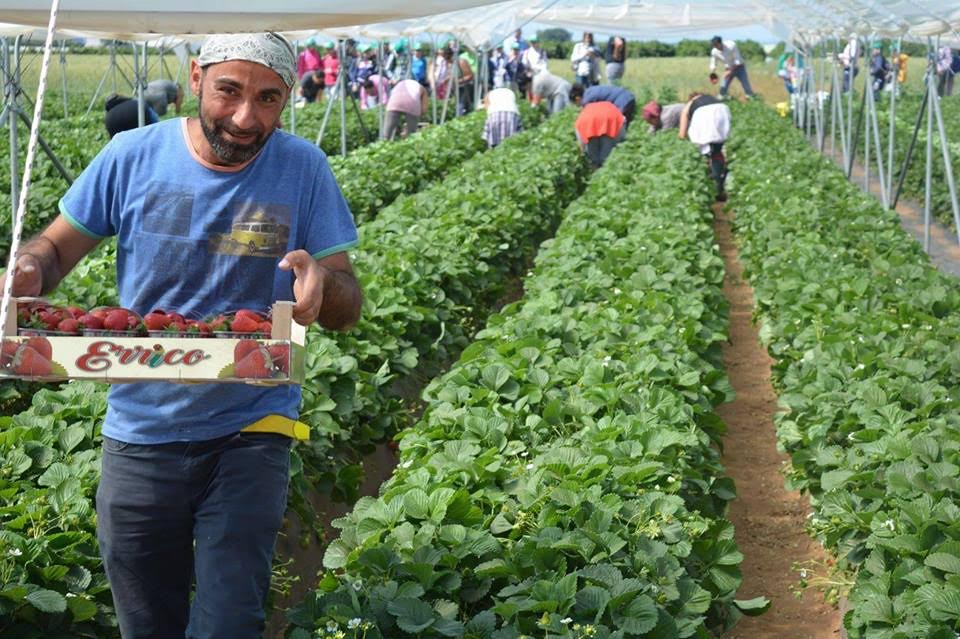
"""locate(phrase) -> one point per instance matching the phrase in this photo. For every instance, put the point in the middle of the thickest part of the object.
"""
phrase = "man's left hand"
(308, 285)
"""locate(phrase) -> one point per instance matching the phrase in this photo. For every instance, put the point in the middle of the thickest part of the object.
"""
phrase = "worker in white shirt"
(728, 54)
(848, 58)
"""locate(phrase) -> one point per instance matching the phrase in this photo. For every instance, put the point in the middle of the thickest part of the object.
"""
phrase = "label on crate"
(150, 358)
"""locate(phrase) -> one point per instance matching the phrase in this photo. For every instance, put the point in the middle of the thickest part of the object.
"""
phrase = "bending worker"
(599, 127)
(624, 100)
(705, 121)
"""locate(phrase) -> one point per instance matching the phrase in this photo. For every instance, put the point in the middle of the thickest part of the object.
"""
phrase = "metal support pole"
(381, 77)
(139, 85)
(928, 182)
(855, 131)
(63, 77)
(343, 99)
(894, 86)
(432, 79)
(292, 101)
(456, 76)
(912, 145)
(868, 97)
(947, 164)
(11, 65)
(884, 193)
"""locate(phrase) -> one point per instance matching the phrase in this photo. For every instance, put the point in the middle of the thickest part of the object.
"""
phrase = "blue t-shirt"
(620, 97)
(178, 222)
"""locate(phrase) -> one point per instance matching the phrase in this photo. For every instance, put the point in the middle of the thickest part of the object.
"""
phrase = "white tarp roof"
(650, 18)
(477, 22)
(653, 19)
(124, 19)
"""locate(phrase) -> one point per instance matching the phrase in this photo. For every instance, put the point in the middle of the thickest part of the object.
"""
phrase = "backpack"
(955, 63)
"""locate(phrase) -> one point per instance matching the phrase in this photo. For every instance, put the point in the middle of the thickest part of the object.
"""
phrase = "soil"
(769, 519)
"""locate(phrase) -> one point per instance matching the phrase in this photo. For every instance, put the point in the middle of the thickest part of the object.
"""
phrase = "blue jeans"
(739, 73)
(192, 515)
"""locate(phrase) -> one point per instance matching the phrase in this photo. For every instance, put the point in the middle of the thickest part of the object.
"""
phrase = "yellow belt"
(280, 425)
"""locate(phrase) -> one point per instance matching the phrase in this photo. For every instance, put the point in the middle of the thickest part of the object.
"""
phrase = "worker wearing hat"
(705, 121)
(194, 478)
(310, 72)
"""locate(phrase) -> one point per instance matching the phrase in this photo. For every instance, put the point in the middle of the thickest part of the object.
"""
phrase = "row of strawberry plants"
(914, 185)
(377, 174)
(563, 480)
(865, 334)
(444, 271)
(432, 265)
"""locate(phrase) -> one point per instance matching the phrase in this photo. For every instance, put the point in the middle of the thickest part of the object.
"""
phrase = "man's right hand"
(28, 279)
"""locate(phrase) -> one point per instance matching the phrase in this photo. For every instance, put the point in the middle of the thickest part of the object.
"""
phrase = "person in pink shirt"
(331, 65)
(310, 72)
(310, 59)
(374, 90)
(408, 101)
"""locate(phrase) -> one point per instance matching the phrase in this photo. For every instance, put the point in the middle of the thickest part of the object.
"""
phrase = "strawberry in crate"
(112, 321)
(37, 317)
(244, 323)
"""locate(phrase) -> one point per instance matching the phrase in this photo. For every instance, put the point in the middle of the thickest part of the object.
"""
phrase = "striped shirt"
(499, 126)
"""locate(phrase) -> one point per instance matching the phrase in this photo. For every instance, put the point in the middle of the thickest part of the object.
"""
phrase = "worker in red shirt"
(599, 127)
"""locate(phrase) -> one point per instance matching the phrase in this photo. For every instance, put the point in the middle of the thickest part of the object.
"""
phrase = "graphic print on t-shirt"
(259, 230)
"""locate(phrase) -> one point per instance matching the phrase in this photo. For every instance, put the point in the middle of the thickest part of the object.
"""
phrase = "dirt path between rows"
(769, 519)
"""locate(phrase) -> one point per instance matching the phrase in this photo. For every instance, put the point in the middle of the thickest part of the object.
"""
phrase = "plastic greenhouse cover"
(130, 19)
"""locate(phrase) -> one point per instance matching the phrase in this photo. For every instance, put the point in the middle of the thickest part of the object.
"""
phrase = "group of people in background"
(946, 65)
(402, 82)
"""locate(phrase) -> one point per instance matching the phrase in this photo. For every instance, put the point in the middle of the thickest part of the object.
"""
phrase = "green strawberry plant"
(431, 266)
(563, 480)
(865, 335)
(914, 185)
(52, 583)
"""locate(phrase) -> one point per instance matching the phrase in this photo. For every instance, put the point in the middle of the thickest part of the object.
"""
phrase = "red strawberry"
(244, 324)
(265, 327)
(255, 365)
(100, 312)
(116, 320)
(133, 320)
(246, 312)
(91, 321)
(176, 317)
(69, 325)
(7, 352)
(155, 321)
(243, 348)
(50, 319)
(30, 363)
(75, 312)
(280, 354)
(41, 345)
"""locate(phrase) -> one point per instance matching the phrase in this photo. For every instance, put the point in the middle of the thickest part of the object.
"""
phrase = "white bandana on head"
(269, 49)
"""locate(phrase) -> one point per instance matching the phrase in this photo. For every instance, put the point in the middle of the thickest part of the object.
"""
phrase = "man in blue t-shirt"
(186, 496)
(624, 100)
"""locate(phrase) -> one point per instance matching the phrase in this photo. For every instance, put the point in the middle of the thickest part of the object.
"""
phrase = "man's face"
(717, 45)
(240, 106)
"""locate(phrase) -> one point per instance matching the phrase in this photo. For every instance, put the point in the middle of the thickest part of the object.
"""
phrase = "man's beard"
(230, 152)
